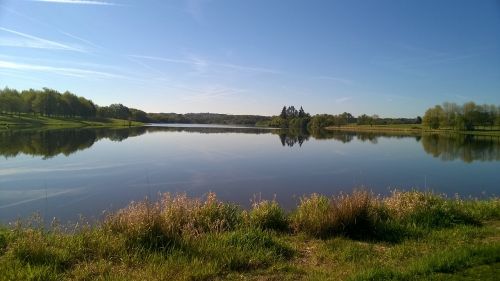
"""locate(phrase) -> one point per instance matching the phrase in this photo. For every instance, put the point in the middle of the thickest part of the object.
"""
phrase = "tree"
(10, 101)
(283, 113)
(302, 114)
(433, 117)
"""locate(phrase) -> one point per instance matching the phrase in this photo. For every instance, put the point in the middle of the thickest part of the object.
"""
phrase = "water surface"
(64, 173)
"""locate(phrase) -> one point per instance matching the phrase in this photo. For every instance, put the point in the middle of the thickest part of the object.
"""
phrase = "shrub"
(141, 223)
(267, 215)
(173, 218)
(353, 214)
(427, 209)
(348, 214)
(482, 209)
(313, 216)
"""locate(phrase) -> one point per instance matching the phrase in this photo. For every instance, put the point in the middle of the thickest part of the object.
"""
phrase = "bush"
(348, 214)
(482, 209)
(313, 216)
(353, 214)
(173, 218)
(427, 209)
(267, 215)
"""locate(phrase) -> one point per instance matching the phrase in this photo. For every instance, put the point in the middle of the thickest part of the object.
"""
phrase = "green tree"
(283, 113)
(433, 117)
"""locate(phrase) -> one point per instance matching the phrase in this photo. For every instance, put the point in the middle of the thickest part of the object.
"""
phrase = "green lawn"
(408, 236)
(29, 121)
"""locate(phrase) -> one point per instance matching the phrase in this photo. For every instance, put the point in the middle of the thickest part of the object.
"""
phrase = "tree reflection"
(447, 147)
(468, 148)
(50, 143)
(290, 137)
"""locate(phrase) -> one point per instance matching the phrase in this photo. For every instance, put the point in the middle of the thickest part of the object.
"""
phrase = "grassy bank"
(412, 129)
(28, 121)
(407, 236)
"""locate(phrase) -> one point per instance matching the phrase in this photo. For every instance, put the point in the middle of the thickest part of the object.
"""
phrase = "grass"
(29, 121)
(413, 129)
(357, 236)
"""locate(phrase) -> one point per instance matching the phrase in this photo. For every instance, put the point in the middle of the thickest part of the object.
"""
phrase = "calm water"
(65, 173)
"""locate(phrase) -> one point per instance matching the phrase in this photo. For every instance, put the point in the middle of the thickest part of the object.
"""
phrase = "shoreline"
(355, 236)
(410, 130)
(46, 123)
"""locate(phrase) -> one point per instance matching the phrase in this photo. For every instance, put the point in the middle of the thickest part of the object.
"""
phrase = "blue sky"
(392, 58)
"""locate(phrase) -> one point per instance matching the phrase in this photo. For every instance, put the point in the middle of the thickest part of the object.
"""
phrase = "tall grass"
(267, 215)
(185, 238)
(173, 218)
(429, 209)
(347, 214)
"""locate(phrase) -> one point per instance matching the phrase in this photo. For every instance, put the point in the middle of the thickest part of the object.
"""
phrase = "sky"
(391, 58)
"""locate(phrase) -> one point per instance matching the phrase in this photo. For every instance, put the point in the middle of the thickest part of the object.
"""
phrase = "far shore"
(25, 121)
(410, 129)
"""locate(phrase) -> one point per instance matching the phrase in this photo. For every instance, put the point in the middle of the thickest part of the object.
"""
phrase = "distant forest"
(51, 103)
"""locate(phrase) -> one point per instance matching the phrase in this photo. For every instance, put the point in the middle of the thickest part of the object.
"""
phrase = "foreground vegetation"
(406, 236)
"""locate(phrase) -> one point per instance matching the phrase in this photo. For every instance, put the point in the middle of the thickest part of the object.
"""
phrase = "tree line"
(46, 102)
(51, 103)
(290, 117)
(206, 118)
(468, 116)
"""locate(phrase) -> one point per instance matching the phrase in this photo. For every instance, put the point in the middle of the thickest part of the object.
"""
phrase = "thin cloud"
(417, 59)
(199, 63)
(195, 9)
(24, 40)
(335, 79)
(78, 2)
(21, 76)
(212, 93)
(343, 99)
(65, 71)
(81, 39)
(49, 26)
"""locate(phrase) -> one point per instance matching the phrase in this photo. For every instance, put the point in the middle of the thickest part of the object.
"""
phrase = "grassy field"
(412, 128)
(29, 121)
(406, 236)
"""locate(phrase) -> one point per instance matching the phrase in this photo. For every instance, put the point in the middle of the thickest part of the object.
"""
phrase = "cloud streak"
(343, 99)
(212, 93)
(195, 9)
(201, 64)
(65, 71)
(24, 40)
(334, 79)
(78, 2)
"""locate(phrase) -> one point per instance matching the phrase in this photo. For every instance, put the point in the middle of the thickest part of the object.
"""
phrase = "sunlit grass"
(357, 236)
(30, 121)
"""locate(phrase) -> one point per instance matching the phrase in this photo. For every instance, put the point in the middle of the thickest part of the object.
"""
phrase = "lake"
(67, 172)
